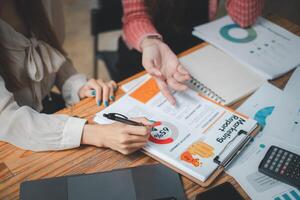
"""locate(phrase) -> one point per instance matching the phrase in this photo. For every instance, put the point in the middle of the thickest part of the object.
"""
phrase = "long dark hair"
(36, 21)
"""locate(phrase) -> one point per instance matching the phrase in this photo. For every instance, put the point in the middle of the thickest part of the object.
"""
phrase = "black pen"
(122, 118)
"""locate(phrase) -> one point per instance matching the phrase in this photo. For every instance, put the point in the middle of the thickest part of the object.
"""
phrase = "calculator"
(282, 165)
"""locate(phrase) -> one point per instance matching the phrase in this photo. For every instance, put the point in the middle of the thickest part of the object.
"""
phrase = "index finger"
(181, 69)
(165, 91)
(142, 131)
(143, 120)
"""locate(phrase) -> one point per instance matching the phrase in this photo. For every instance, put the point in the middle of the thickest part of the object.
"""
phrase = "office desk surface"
(17, 165)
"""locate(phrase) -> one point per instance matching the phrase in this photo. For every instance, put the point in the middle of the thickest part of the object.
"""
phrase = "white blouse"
(38, 67)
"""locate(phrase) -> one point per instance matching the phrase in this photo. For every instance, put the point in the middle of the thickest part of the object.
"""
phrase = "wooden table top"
(17, 165)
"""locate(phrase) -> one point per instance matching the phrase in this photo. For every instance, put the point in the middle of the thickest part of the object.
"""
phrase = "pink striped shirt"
(137, 24)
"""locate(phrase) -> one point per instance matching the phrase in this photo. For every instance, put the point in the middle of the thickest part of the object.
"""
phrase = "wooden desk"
(17, 165)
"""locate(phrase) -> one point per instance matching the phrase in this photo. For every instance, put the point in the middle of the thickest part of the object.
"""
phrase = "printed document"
(187, 136)
(263, 106)
(292, 87)
(266, 48)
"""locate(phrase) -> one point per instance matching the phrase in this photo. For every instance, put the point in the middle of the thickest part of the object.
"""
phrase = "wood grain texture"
(17, 165)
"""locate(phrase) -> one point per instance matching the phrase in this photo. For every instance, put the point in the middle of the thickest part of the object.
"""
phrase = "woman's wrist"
(92, 135)
(150, 40)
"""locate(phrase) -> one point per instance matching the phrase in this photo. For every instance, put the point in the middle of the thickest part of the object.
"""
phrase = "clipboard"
(222, 165)
(228, 158)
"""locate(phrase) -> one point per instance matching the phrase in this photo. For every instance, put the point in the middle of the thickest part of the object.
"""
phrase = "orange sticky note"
(146, 91)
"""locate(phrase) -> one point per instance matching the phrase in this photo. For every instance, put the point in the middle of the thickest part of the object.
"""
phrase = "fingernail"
(173, 103)
(156, 123)
(106, 103)
(112, 98)
(93, 92)
(99, 103)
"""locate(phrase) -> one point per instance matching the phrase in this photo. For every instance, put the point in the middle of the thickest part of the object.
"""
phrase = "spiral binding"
(200, 87)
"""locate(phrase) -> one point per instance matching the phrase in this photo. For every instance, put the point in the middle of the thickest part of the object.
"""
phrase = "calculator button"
(273, 164)
(266, 166)
(278, 166)
(281, 161)
(284, 167)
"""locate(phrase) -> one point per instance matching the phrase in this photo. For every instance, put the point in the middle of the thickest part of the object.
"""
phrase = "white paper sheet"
(293, 85)
(261, 107)
(285, 121)
(265, 48)
(134, 83)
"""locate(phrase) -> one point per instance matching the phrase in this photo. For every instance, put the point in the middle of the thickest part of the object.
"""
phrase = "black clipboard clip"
(235, 151)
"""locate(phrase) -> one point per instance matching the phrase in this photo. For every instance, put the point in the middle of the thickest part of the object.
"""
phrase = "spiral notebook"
(215, 75)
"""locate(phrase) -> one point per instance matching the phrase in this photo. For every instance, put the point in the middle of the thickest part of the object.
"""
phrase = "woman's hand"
(102, 91)
(164, 66)
(118, 136)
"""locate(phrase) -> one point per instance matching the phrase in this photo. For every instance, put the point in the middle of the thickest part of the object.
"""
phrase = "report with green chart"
(266, 48)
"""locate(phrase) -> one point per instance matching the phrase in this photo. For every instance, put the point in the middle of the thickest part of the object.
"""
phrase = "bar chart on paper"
(293, 194)
(262, 106)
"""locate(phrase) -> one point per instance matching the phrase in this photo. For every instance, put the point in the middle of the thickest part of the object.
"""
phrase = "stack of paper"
(278, 112)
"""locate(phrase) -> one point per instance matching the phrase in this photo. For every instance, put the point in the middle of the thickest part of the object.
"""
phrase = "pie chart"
(261, 115)
(234, 33)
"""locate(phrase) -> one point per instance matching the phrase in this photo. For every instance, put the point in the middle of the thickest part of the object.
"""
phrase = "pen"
(238, 150)
(122, 118)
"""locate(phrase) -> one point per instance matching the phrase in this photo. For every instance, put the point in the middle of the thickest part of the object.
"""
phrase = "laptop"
(150, 182)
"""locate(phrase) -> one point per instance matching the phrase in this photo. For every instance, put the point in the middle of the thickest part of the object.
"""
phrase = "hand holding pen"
(124, 138)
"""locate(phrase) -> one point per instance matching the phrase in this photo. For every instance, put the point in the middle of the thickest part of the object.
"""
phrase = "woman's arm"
(244, 12)
(136, 23)
(28, 129)
(74, 86)
(69, 82)
(158, 59)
